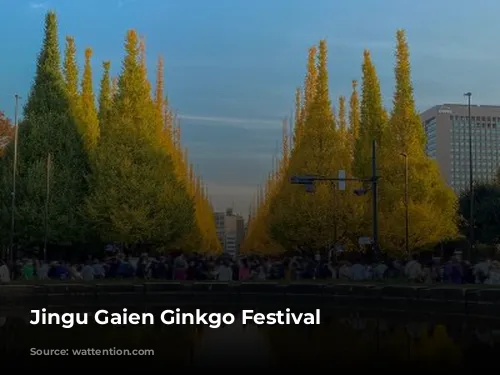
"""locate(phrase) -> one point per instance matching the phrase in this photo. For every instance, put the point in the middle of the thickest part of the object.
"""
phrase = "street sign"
(365, 240)
(341, 180)
(302, 180)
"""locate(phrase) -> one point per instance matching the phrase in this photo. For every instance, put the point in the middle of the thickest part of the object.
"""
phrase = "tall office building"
(447, 129)
(230, 230)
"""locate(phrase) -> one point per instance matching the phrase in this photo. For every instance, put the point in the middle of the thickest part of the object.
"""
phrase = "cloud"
(247, 123)
(38, 5)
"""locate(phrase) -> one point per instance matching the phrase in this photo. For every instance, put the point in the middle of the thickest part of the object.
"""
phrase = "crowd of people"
(181, 267)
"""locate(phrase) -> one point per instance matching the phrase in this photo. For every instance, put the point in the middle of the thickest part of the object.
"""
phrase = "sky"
(232, 66)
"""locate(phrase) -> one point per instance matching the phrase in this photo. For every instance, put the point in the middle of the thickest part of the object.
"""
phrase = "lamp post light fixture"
(471, 179)
(308, 182)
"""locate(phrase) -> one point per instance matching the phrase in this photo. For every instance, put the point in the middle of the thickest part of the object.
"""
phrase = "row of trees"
(111, 172)
(327, 140)
(486, 218)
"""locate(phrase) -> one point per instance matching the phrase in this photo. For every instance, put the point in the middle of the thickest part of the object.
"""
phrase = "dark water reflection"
(381, 340)
(345, 338)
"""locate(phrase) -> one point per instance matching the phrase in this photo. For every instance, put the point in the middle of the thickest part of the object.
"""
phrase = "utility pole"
(471, 181)
(14, 175)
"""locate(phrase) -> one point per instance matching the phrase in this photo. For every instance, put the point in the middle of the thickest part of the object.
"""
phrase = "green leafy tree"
(354, 118)
(308, 96)
(373, 118)
(486, 209)
(105, 94)
(343, 141)
(432, 204)
(136, 197)
(347, 206)
(372, 121)
(70, 71)
(297, 115)
(89, 117)
(48, 127)
(298, 218)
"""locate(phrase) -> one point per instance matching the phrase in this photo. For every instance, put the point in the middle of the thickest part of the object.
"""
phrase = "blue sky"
(231, 66)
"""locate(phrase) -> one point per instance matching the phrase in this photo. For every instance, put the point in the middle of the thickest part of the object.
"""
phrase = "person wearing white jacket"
(413, 270)
(4, 272)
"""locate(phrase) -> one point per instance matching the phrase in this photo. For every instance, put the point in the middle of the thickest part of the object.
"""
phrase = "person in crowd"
(17, 269)
(294, 269)
(87, 271)
(358, 271)
(427, 273)
(43, 271)
(436, 270)
(243, 270)
(345, 271)
(481, 270)
(99, 270)
(159, 268)
(457, 271)
(380, 271)
(4, 272)
(36, 266)
(494, 274)
(334, 271)
(142, 267)
(192, 270)
(113, 268)
(28, 269)
(180, 267)
(224, 271)
(413, 270)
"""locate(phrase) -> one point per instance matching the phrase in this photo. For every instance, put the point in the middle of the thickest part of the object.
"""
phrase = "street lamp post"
(14, 175)
(374, 182)
(471, 179)
(407, 214)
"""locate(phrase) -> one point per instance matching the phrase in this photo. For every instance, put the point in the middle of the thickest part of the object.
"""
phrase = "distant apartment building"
(447, 130)
(230, 230)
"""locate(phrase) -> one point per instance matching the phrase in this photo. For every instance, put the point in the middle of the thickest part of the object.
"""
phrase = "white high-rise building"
(447, 129)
